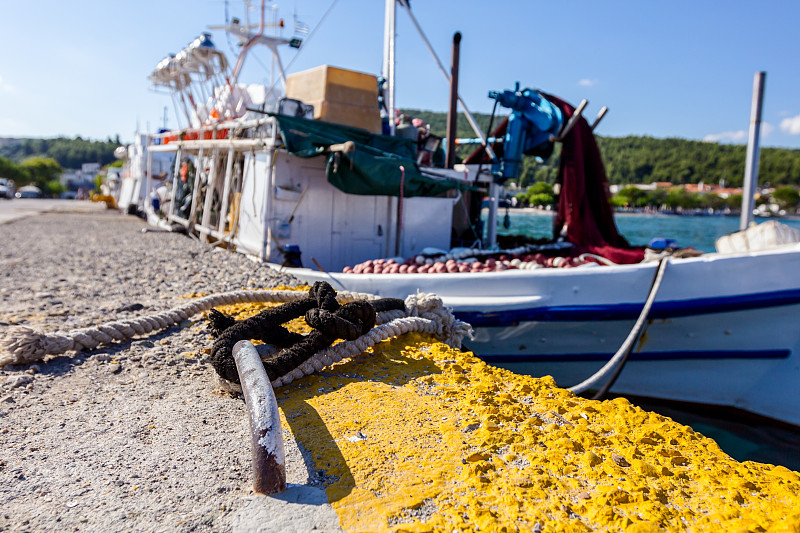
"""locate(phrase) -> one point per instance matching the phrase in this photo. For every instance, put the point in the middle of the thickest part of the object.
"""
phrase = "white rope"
(603, 375)
(337, 352)
(598, 258)
(22, 344)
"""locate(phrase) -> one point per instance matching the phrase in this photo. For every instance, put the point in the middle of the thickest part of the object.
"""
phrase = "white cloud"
(585, 82)
(6, 87)
(726, 136)
(738, 135)
(791, 125)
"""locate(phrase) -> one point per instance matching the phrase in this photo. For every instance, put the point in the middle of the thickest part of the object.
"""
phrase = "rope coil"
(354, 322)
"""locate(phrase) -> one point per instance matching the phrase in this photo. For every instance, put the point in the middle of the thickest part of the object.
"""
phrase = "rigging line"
(489, 132)
(258, 60)
(310, 35)
(228, 35)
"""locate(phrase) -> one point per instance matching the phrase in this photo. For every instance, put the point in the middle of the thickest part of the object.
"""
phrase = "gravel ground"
(133, 436)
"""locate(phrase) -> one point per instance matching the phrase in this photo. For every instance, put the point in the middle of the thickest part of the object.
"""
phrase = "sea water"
(699, 232)
(744, 439)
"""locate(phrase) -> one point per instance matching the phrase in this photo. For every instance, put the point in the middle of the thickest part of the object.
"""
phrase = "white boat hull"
(724, 329)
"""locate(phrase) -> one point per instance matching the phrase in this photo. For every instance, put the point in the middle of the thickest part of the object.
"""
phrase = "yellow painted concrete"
(415, 436)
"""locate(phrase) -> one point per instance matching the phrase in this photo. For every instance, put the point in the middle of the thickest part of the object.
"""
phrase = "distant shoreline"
(538, 211)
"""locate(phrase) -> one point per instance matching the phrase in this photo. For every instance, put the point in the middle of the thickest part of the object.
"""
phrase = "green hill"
(646, 159)
(69, 153)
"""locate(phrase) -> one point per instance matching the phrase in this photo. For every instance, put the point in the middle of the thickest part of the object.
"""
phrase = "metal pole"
(600, 115)
(576, 115)
(211, 186)
(177, 114)
(195, 189)
(271, 151)
(469, 116)
(495, 191)
(399, 228)
(282, 73)
(385, 64)
(223, 213)
(269, 470)
(751, 164)
(186, 109)
(386, 33)
(452, 112)
(148, 204)
(391, 12)
(174, 193)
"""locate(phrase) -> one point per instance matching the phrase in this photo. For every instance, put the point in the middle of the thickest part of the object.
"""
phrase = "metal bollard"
(269, 471)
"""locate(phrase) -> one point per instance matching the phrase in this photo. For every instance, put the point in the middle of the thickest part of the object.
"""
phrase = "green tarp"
(373, 168)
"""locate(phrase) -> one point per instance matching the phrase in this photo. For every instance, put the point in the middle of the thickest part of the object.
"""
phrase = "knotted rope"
(423, 313)
(22, 344)
(329, 320)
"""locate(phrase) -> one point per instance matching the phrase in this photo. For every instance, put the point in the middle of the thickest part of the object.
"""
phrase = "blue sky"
(665, 69)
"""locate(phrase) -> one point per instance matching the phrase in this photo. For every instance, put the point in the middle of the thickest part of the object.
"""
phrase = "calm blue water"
(696, 231)
(743, 439)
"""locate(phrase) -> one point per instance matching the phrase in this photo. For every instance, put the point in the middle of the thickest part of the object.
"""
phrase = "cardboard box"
(338, 95)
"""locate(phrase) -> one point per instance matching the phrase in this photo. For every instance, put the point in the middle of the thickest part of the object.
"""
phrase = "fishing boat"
(319, 173)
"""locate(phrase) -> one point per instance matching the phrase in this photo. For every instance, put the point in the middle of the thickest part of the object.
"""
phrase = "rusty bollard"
(269, 471)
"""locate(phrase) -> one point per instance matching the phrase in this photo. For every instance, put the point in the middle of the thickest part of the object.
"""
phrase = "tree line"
(69, 153)
(785, 197)
(41, 162)
(635, 159)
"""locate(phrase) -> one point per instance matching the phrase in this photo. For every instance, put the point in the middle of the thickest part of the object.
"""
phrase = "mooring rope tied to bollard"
(423, 313)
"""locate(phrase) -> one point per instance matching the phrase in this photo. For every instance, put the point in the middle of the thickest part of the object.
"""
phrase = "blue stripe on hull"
(672, 309)
(643, 356)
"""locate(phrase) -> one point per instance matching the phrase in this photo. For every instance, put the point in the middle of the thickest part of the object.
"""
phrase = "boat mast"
(389, 31)
(751, 166)
(452, 109)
